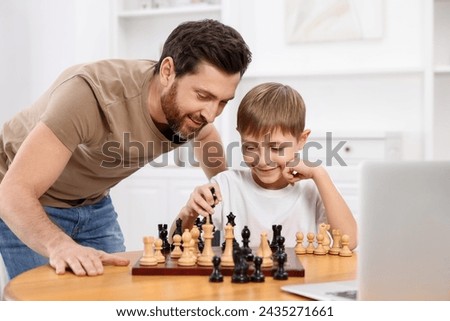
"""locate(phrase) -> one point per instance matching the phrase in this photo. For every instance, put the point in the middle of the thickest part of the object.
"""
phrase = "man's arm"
(38, 163)
(209, 151)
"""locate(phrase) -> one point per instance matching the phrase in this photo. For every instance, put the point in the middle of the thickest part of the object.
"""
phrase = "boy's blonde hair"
(271, 106)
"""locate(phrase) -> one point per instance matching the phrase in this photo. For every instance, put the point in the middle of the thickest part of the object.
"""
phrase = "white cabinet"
(438, 81)
(150, 197)
(140, 27)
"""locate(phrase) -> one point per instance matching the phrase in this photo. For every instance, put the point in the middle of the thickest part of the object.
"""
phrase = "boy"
(278, 188)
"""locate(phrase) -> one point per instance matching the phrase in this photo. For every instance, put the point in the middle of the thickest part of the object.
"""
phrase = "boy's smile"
(268, 155)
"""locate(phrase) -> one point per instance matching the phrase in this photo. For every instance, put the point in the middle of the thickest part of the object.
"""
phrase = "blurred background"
(375, 74)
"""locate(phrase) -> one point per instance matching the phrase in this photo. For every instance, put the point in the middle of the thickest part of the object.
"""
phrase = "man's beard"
(178, 122)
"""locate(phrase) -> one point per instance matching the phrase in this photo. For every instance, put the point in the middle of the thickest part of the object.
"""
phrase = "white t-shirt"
(297, 208)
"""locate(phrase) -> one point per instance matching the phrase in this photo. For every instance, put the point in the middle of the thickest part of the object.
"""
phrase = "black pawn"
(257, 275)
(216, 275)
(280, 273)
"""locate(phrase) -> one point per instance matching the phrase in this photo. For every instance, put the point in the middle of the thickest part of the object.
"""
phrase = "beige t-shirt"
(99, 112)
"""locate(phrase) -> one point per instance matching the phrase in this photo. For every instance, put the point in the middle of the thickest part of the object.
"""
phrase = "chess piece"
(186, 258)
(279, 247)
(178, 230)
(162, 233)
(276, 234)
(227, 256)
(240, 266)
(216, 275)
(336, 247)
(213, 192)
(200, 243)
(280, 273)
(176, 252)
(158, 251)
(264, 251)
(299, 248)
(148, 258)
(310, 248)
(205, 258)
(257, 275)
(195, 232)
(230, 220)
(345, 251)
(323, 229)
(245, 243)
(320, 250)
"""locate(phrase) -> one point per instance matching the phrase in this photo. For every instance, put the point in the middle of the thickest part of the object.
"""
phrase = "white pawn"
(299, 248)
(345, 250)
(176, 252)
(186, 258)
(148, 258)
(320, 250)
(158, 251)
(310, 248)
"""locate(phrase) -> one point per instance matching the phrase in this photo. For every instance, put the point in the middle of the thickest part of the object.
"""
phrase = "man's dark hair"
(209, 41)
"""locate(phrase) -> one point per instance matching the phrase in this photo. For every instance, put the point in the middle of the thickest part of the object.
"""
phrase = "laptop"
(404, 236)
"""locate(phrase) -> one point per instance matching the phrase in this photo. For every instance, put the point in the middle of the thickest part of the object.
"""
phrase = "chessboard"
(293, 267)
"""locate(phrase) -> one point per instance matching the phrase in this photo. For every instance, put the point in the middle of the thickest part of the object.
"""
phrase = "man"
(60, 157)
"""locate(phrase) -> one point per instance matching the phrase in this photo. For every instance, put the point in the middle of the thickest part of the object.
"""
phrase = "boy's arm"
(338, 213)
(201, 202)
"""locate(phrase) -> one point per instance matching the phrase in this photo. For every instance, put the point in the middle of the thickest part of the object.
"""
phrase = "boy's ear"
(303, 138)
(167, 71)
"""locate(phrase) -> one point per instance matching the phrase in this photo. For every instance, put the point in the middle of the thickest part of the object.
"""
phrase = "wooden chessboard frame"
(293, 267)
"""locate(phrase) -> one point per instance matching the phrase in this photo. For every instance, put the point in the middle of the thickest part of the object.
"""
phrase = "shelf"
(443, 69)
(189, 9)
(319, 73)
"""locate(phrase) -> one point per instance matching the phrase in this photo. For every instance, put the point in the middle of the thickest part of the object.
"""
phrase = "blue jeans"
(91, 225)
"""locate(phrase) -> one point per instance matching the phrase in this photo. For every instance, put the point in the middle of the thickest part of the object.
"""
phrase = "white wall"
(41, 38)
(352, 86)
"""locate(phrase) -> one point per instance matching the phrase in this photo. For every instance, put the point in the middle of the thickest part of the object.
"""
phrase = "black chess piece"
(280, 247)
(213, 192)
(280, 273)
(240, 266)
(162, 233)
(276, 233)
(178, 230)
(245, 243)
(257, 275)
(216, 275)
(199, 223)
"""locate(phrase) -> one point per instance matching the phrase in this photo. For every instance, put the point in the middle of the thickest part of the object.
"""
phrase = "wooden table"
(117, 284)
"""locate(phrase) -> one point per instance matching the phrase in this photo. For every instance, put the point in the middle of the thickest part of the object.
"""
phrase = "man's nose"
(210, 112)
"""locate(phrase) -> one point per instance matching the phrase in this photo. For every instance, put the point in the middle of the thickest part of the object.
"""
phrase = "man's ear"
(167, 71)
(303, 138)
